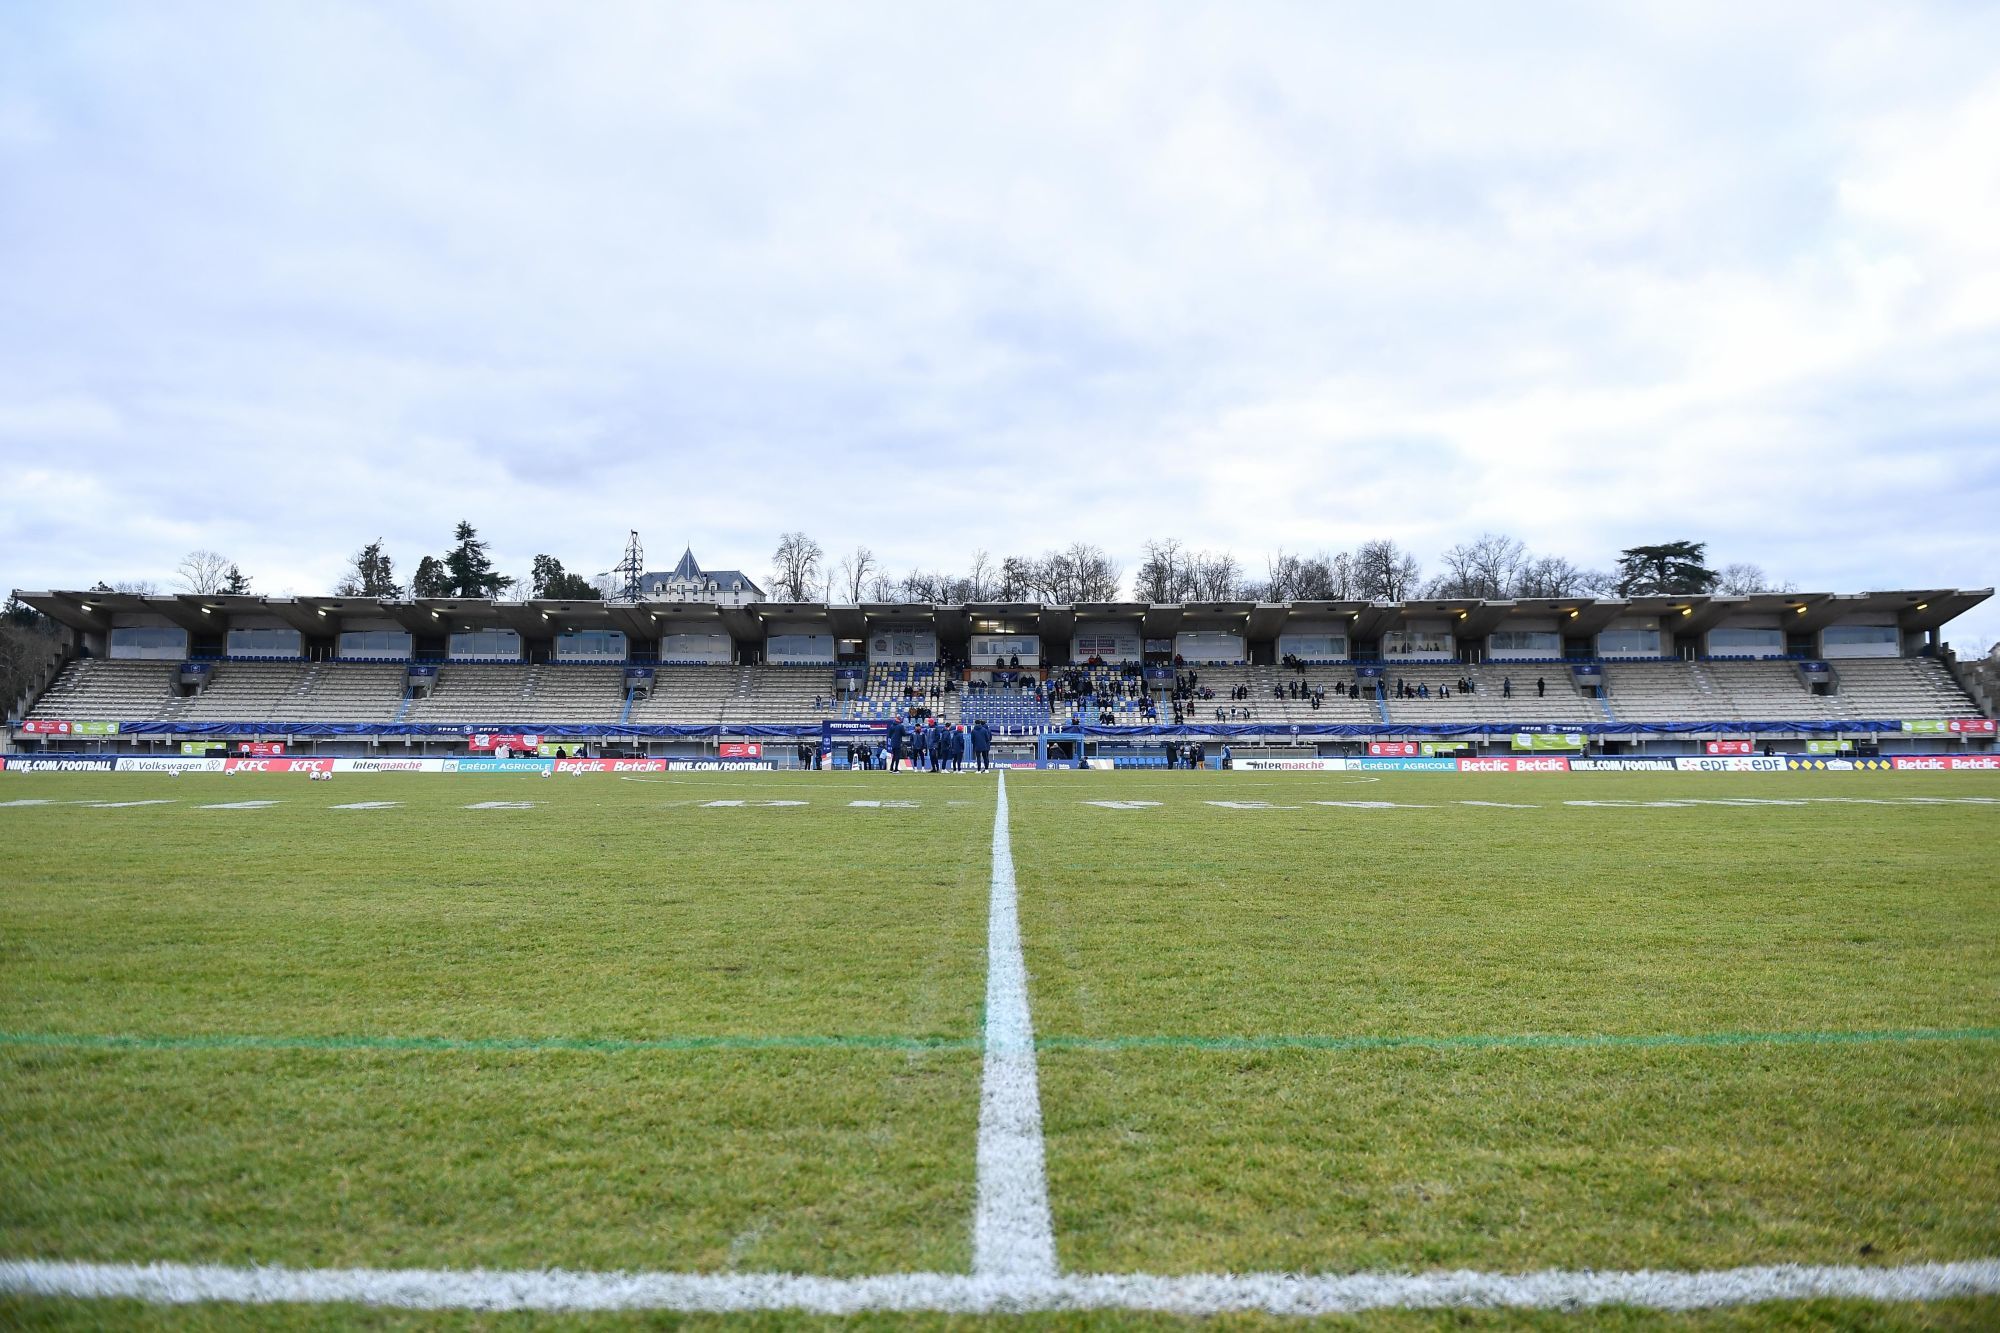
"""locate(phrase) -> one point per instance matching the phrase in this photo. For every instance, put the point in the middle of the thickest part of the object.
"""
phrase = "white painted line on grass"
(237, 805)
(501, 805)
(1013, 1233)
(1124, 805)
(1184, 1294)
(367, 805)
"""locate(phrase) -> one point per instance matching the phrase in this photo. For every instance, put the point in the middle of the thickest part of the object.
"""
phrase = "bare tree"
(979, 579)
(795, 568)
(924, 586)
(202, 572)
(1097, 575)
(1214, 577)
(1045, 579)
(856, 568)
(1016, 578)
(1743, 578)
(1554, 576)
(1161, 576)
(881, 588)
(1489, 567)
(1383, 571)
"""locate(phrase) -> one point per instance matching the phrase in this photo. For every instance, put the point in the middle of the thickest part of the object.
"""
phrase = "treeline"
(465, 570)
(1080, 572)
(1493, 566)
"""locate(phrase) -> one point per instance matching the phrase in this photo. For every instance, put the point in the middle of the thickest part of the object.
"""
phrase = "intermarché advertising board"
(1290, 765)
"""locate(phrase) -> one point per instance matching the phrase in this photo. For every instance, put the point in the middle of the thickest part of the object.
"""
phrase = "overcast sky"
(277, 279)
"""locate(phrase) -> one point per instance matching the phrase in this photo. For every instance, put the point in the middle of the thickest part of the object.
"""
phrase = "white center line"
(1013, 1235)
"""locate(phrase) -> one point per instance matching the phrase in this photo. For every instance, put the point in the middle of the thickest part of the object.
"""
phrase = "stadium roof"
(1912, 610)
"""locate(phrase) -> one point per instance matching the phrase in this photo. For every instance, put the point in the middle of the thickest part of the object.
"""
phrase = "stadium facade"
(1820, 673)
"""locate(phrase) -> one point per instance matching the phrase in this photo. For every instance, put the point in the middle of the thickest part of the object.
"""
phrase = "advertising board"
(720, 765)
(1408, 765)
(278, 765)
(1946, 763)
(740, 750)
(1731, 764)
(1633, 764)
(1554, 763)
(499, 765)
(611, 765)
(1730, 747)
(388, 765)
(1548, 740)
(43, 726)
(61, 763)
(167, 764)
(520, 742)
(1291, 765)
(1394, 749)
(1971, 726)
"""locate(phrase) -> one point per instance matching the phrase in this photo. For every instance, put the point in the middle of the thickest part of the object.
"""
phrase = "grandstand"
(362, 673)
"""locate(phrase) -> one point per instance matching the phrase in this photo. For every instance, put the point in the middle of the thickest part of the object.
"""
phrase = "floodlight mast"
(630, 570)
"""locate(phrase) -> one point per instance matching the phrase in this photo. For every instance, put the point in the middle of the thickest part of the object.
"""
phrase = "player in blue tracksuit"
(982, 744)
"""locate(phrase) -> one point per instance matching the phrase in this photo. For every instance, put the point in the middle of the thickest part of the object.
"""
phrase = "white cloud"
(280, 281)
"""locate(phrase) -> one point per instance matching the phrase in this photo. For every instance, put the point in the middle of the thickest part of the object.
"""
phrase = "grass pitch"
(630, 1028)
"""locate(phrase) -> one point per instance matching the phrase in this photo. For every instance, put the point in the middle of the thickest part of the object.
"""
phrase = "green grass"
(622, 1029)
(1574, 983)
(614, 920)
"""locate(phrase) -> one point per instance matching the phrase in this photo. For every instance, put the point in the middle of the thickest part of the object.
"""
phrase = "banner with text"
(1542, 740)
(1946, 763)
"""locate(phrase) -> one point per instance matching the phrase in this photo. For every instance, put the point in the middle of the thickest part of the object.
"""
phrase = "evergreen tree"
(371, 573)
(432, 579)
(234, 581)
(1670, 569)
(469, 569)
(550, 580)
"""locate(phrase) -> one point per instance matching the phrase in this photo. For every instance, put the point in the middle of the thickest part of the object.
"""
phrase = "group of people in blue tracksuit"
(938, 747)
